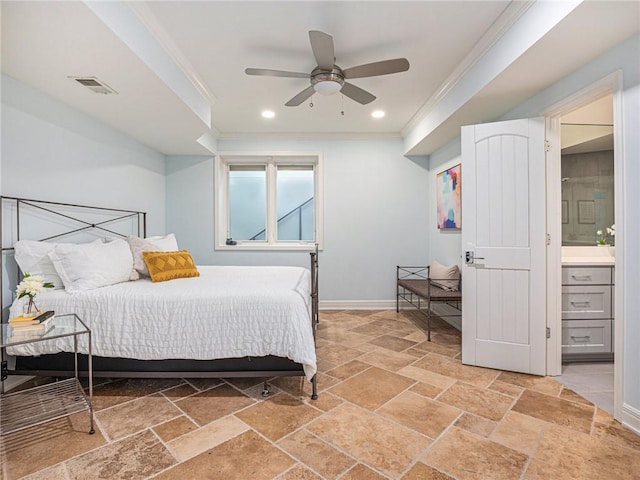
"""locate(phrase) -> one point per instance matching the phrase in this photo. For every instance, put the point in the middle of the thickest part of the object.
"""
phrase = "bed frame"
(77, 219)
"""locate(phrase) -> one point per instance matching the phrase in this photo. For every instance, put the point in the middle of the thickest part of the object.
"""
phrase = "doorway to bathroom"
(584, 202)
(588, 251)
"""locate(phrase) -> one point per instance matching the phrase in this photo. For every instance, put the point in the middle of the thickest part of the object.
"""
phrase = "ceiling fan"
(328, 78)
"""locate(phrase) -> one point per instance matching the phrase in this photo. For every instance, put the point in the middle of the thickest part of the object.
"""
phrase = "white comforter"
(226, 312)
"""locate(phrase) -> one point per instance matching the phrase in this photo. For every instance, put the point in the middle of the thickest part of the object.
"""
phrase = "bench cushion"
(423, 289)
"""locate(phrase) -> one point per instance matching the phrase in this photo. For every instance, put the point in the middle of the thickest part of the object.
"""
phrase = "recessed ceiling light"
(377, 113)
(268, 114)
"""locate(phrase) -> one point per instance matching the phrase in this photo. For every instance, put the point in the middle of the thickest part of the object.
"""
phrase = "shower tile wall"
(587, 196)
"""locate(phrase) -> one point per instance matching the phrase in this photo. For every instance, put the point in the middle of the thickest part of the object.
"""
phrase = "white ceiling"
(43, 43)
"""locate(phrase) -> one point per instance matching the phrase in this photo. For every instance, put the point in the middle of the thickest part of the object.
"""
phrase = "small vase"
(30, 308)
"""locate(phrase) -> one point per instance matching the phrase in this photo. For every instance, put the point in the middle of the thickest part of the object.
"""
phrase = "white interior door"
(504, 243)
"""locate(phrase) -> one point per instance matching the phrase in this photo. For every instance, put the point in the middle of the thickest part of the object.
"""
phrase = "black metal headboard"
(24, 218)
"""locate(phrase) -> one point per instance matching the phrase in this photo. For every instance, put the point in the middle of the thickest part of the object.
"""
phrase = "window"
(268, 201)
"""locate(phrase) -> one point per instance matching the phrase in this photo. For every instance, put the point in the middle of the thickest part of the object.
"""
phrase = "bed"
(225, 322)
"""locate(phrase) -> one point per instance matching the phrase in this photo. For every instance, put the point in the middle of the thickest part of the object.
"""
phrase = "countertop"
(588, 256)
(588, 261)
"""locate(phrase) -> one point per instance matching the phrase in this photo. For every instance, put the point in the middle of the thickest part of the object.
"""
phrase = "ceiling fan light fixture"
(268, 114)
(327, 82)
(378, 114)
(327, 87)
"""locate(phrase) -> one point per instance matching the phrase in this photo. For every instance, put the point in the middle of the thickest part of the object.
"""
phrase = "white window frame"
(271, 160)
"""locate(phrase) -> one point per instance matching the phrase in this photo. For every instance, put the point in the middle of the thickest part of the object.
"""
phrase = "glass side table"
(41, 404)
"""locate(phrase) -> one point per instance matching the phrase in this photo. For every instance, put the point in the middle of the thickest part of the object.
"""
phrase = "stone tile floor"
(592, 380)
(391, 406)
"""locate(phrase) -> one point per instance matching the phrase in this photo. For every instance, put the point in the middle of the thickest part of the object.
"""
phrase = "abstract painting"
(449, 198)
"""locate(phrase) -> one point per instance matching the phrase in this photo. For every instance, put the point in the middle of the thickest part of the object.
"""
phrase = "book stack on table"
(24, 328)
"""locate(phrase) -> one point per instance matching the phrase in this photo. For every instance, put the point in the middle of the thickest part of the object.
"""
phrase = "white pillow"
(445, 277)
(33, 256)
(166, 243)
(93, 265)
(151, 244)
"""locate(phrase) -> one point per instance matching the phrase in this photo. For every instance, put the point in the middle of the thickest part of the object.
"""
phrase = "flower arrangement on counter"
(603, 236)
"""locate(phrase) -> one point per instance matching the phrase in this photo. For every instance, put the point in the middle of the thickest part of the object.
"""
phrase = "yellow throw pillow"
(169, 265)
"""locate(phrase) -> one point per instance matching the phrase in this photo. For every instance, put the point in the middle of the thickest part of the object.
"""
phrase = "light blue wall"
(375, 213)
(626, 58)
(53, 152)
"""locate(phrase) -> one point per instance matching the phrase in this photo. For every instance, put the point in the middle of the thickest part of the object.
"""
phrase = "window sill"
(280, 247)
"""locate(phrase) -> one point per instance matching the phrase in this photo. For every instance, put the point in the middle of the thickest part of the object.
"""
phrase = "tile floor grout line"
(435, 440)
(535, 450)
(131, 400)
(167, 447)
(65, 470)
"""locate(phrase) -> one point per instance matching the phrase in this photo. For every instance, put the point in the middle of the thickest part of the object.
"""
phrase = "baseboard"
(363, 305)
(631, 417)
(455, 321)
(357, 305)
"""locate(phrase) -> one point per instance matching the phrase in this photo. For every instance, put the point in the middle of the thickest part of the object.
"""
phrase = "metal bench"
(413, 285)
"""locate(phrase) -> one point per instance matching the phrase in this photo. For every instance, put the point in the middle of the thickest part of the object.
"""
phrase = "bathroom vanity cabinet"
(587, 312)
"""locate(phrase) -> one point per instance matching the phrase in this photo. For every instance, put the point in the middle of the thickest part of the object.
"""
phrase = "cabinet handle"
(581, 304)
(582, 278)
(584, 338)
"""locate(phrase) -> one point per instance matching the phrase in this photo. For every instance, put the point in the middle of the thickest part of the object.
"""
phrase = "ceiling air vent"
(95, 85)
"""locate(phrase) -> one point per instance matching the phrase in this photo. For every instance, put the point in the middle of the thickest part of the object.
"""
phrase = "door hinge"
(547, 146)
(4, 371)
(548, 332)
(548, 239)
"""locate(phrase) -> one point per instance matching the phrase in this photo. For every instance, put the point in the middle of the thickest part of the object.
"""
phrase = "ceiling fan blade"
(301, 97)
(357, 94)
(274, 73)
(322, 46)
(384, 67)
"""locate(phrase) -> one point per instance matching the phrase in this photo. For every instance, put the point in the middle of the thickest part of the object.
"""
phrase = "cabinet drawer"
(586, 302)
(586, 336)
(586, 275)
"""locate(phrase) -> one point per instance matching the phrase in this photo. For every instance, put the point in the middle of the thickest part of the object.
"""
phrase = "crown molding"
(155, 28)
(311, 135)
(495, 32)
